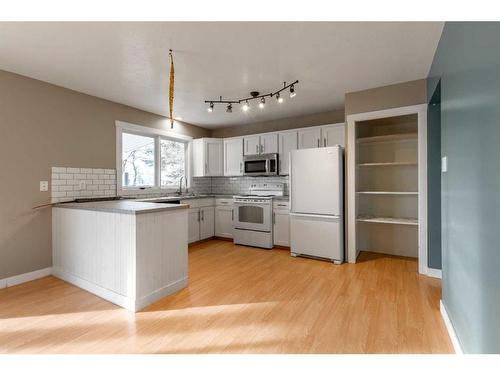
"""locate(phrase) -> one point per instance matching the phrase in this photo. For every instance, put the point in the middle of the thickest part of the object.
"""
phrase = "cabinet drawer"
(202, 202)
(223, 201)
(281, 205)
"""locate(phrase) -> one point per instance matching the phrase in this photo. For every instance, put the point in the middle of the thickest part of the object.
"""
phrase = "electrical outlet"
(44, 185)
(81, 185)
(444, 164)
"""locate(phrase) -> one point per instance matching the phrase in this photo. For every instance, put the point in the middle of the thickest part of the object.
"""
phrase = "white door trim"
(421, 111)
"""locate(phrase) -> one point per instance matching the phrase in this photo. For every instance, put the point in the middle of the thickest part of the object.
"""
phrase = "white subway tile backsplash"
(69, 183)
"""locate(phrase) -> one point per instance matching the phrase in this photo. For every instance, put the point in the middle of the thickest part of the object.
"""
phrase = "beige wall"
(42, 125)
(393, 96)
(281, 124)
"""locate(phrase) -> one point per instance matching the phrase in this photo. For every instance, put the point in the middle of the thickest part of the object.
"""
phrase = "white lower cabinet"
(224, 217)
(200, 219)
(206, 222)
(281, 224)
(193, 225)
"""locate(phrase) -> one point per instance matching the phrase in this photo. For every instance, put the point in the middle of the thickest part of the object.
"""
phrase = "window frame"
(157, 135)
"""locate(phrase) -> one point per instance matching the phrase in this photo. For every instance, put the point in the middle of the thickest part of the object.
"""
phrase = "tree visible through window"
(172, 161)
(138, 160)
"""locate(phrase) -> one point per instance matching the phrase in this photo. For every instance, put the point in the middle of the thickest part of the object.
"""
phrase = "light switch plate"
(44, 185)
(444, 164)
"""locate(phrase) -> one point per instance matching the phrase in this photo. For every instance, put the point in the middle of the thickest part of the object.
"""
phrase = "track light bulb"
(262, 103)
(211, 107)
(292, 92)
(229, 108)
(279, 98)
(245, 107)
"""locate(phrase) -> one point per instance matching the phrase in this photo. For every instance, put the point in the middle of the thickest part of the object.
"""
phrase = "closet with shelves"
(384, 184)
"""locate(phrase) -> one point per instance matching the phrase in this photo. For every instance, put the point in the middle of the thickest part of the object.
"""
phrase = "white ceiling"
(128, 62)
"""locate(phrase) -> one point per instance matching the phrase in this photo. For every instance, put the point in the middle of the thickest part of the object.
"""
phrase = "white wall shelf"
(388, 192)
(403, 137)
(388, 220)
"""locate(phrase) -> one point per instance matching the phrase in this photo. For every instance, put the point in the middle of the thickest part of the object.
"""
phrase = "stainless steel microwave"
(260, 165)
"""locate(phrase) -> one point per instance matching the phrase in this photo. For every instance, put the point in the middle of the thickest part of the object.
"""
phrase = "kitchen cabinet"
(333, 135)
(261, 144)
(281, 224)
(208, 157)
(322, 136)
(233, 157)
(287, 143)
(206, 222)
(193, 225)
(252, 145)
(269, 143)
(224, 218)
(309, 138)
(200, 219)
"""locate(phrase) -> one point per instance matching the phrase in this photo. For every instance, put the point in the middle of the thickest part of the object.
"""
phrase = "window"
(150, 160)
(173, 161)
(138, 160)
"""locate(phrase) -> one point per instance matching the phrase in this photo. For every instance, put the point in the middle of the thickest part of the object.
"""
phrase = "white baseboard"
(450, 329)
(25, 277)
(434, 272)
(117, 299)
(160, 293)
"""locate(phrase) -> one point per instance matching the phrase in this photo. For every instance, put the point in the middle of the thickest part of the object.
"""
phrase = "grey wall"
(467, 61)
(42, 125)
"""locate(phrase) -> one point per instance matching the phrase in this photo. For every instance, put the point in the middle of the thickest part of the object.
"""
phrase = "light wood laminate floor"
(240, 300)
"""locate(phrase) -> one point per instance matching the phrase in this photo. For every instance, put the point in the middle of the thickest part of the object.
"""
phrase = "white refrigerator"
(316, 203)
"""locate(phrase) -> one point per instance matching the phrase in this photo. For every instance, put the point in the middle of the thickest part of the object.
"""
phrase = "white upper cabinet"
(252, 145)
(333, 135)
(322, 136)
(208, 157)
(261, 144)
(269, 143)
(309, 138)
(287, 143)
(233, 157)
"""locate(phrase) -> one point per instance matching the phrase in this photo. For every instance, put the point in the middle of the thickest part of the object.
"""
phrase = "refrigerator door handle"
(316, 216)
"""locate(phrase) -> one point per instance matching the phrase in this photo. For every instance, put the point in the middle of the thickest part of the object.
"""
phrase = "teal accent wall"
(434, 178)
(467, 61)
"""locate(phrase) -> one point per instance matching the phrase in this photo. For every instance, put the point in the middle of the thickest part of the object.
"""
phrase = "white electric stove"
(253, 215)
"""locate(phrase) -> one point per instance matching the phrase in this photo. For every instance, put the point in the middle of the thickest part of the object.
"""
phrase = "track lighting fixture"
(253, 95)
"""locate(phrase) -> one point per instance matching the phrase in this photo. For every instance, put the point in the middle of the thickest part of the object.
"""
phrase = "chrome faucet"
(180, 184)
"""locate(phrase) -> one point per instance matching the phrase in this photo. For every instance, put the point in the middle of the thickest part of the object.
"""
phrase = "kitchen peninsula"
(128, 252)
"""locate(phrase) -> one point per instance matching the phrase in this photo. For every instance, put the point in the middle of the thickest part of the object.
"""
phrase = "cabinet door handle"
(199, 216)
(202, 215)
(257, 149)
(241, 167)
(280, 167)
(274, 218)
(324, 142)
(232, 215)
(318, 142)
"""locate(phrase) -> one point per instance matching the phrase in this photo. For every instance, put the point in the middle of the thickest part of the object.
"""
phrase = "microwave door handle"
(268, 166)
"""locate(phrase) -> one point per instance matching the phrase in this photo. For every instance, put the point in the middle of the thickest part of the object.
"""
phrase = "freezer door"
(316, 185)
(317, 235)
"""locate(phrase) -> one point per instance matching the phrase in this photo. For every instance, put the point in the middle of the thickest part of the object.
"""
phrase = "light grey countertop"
(125, 206)
(201, 196)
